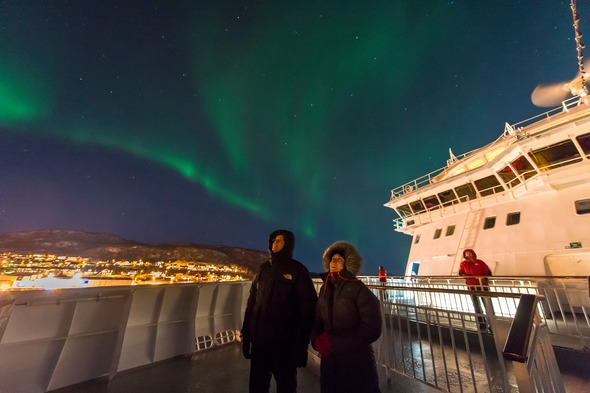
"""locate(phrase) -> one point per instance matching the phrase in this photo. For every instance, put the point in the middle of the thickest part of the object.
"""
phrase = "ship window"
(488, 185)
(583, 206)
(523, 167)
(476, 163)
(404, 210)
(492, 154)
(417, 207)
(417, 239)
(507, 175)
(437, 233)
(410, 222)
(447, 197)
(556, 155)
(450, 230)
(513, 218)
(489, 223)
(431, 202)
(465, 192)
(584, 141)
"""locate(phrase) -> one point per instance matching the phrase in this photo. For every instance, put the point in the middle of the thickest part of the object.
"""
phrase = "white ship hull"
(534, 182)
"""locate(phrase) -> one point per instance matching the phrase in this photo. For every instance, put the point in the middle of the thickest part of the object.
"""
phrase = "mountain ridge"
(106, 246)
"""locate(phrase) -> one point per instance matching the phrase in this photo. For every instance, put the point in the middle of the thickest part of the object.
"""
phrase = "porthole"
(583, 206)
(437, 233)
(513, 218)
(489, 222)
(450, 230)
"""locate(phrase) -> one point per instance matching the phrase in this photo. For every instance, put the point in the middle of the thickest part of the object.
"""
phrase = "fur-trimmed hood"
(353, 262)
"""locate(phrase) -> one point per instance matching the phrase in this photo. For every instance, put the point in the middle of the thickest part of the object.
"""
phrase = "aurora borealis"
(216, 122)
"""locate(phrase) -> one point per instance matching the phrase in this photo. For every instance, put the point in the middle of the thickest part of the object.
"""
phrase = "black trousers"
(266, 364)
(478, 308)
(483, 325)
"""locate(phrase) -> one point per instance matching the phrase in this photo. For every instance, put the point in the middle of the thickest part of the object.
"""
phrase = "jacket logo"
(288, 276)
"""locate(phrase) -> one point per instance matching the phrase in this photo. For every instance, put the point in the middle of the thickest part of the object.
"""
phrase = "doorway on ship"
(414, 269)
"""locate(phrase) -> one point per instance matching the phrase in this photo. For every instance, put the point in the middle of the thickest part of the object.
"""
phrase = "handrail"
(517, 343)
(427, 179)
(521, 180)
(123, 327)
(439, 333)
(565, 107)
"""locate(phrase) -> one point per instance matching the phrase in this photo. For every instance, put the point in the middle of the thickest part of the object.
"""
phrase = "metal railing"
(441, 335)
(495, 191)
(50, 339)
(427, 179)
(534, 370)
(565, 307)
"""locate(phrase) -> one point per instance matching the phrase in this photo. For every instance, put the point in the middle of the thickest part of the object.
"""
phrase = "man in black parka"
(278, 318)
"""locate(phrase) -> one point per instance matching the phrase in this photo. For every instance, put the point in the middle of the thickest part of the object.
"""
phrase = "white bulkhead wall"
(548, 225)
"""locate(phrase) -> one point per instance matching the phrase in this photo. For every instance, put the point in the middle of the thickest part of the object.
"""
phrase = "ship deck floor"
(224, 370)
(219, 370)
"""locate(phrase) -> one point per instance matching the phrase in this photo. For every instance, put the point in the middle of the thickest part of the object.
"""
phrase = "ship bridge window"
(466, 192)
(509, 177)
(450, 230)
(583, 206)
(404, 211)
(584, 141)
(417, 207)
(489, 222)
(431, 202)
(513, 218)
(492, 154)
(556, 155)
(447, 197)
(523, 167)
(488, 185)
(476, 163)
(437, 233)
(417, 239)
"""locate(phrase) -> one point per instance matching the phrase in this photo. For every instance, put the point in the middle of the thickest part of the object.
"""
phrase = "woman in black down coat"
(347, 321)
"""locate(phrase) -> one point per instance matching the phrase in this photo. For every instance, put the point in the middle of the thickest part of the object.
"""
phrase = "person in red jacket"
(382, 275)
(477, 271)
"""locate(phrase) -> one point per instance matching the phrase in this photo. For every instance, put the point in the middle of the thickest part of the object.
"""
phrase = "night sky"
(216, 122)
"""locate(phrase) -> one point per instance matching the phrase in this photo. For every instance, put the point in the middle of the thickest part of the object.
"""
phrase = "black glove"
(246, 347)
(299, 357)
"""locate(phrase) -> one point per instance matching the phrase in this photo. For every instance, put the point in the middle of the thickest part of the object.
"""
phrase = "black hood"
(287, 251)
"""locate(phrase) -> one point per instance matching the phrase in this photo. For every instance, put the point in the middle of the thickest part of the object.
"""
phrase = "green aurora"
(297, 114)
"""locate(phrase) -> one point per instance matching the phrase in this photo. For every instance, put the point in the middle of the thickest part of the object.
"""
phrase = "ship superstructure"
(522, 202)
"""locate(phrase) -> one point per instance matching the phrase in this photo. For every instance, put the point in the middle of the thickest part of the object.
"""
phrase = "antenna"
(548, 95)
(579, 47)
(453, 158)
(508, 129)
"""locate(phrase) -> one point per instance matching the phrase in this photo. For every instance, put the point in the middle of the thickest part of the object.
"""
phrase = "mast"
(579, 47)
